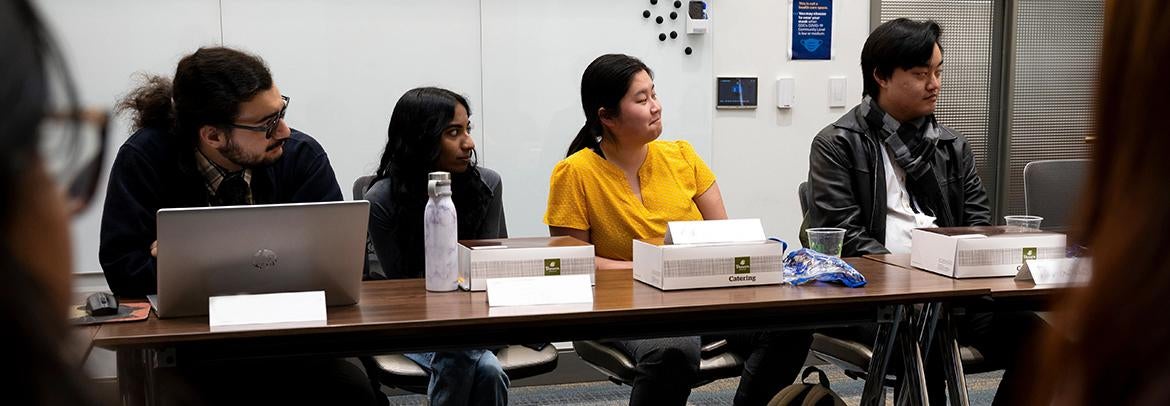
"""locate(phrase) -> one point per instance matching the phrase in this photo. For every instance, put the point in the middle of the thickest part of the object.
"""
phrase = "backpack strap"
(824, 380)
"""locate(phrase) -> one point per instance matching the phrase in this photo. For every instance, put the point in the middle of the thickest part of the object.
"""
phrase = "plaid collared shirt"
(213, 175)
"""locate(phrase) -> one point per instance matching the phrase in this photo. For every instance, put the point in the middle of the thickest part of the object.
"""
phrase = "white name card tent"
(1063, 271)
(266, 311)
(539, 290)
(714, 231)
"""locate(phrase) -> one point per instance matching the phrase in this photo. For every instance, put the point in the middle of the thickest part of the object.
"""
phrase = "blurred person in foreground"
(1110, 345)
(48, 171)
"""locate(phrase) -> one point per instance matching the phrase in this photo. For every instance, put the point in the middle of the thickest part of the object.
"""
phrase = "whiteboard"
(105, 44)
(345, 63)
(534, 52)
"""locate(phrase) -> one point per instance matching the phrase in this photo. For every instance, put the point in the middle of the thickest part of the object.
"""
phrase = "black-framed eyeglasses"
(72, 147)
(270, 126)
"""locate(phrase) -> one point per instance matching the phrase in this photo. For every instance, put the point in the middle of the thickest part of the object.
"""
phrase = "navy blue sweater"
(156, 170)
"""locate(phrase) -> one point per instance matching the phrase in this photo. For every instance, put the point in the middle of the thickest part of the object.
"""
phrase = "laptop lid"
(230, 250)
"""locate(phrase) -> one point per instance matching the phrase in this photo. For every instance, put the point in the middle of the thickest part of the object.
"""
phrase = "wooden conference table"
(1004, 293)
(399, 316)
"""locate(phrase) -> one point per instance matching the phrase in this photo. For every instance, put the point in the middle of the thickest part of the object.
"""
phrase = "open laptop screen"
(215, 251)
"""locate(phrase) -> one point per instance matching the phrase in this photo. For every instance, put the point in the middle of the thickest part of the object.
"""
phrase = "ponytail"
(150, 104)
(587, 138)
(603, 85)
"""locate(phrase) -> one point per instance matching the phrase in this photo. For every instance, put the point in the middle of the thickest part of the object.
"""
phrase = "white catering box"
(984, 251)
(711, 265)
(480, 260)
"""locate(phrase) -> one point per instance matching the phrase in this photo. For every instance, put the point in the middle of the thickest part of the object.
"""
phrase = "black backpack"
(808, 394)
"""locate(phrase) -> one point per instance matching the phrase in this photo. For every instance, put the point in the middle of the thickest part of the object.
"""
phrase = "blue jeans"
(464, 377)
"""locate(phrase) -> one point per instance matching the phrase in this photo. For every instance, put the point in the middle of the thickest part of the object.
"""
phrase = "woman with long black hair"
(430, 130)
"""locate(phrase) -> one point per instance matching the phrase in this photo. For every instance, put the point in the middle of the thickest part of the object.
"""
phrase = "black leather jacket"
(847, 184)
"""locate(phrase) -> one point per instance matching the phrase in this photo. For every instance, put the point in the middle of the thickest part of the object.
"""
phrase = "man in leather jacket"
(850, 181)
(887, 167)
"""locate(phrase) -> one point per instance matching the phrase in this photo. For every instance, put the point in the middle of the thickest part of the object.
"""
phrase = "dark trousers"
(281, 381)
(1000, 337)
(668, 367)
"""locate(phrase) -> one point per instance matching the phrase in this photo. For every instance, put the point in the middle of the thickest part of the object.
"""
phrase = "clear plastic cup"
(1029, 222)
(826, 240)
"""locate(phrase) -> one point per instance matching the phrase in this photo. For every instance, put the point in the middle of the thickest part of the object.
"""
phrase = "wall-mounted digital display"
(737, 93)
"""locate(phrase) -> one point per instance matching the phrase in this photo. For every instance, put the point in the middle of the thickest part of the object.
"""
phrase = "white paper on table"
(1063, 271)
(269, 310)
(714, 231)
(539, 290)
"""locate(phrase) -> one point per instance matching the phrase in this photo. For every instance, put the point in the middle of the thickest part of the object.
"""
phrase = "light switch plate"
(837, 86)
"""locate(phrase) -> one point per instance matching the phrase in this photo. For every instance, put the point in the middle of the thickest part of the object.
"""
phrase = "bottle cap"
(439, 175)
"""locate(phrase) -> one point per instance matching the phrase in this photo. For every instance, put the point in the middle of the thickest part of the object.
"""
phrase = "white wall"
(534, 52)
(106, 42)
(519, 61)
(761, 156)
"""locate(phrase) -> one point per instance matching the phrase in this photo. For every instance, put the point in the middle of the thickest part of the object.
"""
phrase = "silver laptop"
(215, 251)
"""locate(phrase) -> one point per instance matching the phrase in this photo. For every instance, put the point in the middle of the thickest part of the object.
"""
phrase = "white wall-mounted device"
(698, 17)
(785, 92)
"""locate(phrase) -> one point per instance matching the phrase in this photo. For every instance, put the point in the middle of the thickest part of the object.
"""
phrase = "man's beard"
(238, 156)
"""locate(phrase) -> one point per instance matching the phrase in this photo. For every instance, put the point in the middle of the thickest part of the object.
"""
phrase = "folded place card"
(538, 310)
(714, 231)
(1062, 271)
(265, 311)
(539, 290)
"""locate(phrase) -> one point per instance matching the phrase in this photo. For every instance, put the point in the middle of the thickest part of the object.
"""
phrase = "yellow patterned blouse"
(589, 193)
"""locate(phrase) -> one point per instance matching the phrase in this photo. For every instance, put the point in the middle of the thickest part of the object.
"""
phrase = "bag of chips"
(804, 265)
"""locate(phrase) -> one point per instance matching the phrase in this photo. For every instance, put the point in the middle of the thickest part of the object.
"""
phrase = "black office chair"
(854, 357)
(372, 265)
(715, 363)
(803, 193)
(397, 371)
(518, 361)
(1051, 188)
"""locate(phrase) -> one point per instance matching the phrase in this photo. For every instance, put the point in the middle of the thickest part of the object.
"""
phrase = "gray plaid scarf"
(912, 146)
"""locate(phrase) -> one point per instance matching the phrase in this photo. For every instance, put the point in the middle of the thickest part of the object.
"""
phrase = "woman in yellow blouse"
(620, 183)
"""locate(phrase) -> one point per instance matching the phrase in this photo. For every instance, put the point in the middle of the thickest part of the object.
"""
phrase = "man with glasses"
(216, 136)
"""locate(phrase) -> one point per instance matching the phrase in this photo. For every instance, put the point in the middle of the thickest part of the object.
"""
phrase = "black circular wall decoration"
(663, 33)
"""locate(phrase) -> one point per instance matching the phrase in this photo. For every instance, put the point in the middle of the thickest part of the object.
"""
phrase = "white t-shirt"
(900, 216)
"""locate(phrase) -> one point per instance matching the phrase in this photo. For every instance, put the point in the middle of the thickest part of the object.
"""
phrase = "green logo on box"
(1029, 253)
(552, 267)
(743, 264)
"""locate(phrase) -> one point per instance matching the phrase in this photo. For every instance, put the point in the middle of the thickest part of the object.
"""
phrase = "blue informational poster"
(812, 29)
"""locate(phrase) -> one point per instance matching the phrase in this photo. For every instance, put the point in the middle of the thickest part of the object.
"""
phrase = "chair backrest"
(802, 192)
(360, 185)
(373, 267)
(1052, 188)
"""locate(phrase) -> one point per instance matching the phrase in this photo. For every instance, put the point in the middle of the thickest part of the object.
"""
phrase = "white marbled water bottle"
(441, 235)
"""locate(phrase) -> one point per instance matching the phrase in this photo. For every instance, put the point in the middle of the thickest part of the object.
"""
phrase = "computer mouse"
(101, 304)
